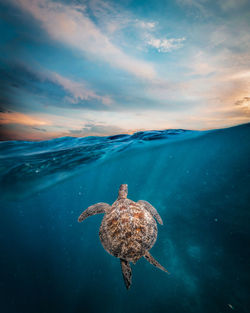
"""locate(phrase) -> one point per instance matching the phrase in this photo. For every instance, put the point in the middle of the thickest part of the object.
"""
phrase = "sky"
(98, 68)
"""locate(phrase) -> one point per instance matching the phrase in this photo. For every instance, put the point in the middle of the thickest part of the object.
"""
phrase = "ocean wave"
(25, 163)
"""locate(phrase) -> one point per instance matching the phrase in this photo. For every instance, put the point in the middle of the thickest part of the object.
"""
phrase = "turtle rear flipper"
(97, 208)
(152, 261)
(126, 272)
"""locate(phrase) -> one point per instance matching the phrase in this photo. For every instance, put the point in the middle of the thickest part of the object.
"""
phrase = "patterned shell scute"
(128, 230)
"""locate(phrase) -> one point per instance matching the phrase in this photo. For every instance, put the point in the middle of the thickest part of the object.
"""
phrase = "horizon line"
(128, 134)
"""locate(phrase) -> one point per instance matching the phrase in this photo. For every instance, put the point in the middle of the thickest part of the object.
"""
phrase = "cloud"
(78, 90)
(20, 118)
(40, 129)
(3, 110)
(71, 25)
(240, 75)
(93, 129)
(231, 4)
(146, 25)
(245, 102)
(111, 18)
(42, 84)
(166, 45)
(115, 19)
(27, 132)
(199, 6)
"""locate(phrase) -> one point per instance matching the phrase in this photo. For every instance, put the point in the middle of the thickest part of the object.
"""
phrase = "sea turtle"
(128, 230)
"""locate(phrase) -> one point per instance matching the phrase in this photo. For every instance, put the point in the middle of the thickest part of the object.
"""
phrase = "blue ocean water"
(198, 181)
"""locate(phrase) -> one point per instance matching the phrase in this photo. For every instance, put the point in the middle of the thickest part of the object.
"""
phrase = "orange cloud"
(20, 118)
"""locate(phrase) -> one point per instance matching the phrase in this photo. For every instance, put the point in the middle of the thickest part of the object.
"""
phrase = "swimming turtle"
(128, 230)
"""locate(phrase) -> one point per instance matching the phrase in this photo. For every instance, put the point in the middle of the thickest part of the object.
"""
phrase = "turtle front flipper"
(152, 261)
(151, 209)
(126, 272)
(97, 208)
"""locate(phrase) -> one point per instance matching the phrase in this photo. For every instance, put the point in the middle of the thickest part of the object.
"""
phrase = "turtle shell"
(128, 230)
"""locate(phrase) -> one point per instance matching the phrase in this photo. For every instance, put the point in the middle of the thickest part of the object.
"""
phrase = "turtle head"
(123, 191)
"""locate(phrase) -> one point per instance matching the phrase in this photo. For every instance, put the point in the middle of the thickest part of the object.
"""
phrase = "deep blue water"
(198, 181)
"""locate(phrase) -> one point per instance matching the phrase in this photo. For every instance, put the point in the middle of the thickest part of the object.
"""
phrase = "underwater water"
(198, 181)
